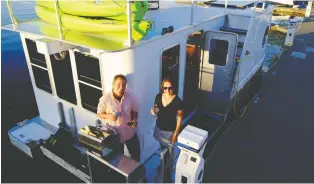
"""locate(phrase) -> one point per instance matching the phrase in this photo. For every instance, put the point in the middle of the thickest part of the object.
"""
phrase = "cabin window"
(218, 52)
(90, 97)
(39, 66)
(192, 67)
(63, 77)
(89, 78)
(170, 64)
(88, 69)
(42, 79)
(35, 57)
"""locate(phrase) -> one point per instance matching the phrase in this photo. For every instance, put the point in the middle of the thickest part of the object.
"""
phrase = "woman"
(168, 109)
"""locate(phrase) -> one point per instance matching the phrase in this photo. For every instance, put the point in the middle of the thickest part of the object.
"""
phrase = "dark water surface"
(19, 103)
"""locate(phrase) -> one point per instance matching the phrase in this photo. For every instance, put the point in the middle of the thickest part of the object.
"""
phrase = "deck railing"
(58, 19)
(57, 14)
(129, 16)
(13, 19)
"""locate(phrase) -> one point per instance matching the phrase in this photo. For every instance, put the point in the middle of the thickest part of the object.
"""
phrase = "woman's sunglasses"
(165, 88)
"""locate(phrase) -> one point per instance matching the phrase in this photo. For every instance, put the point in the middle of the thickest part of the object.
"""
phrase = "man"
(120, 111)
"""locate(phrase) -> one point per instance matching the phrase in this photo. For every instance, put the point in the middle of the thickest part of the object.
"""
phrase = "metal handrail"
(58, 19)
(226, 6)
(56, 6)
(13, 19)
(192, 11)
(194, 2)
(25, 2)
(129, 14)
(264, 13)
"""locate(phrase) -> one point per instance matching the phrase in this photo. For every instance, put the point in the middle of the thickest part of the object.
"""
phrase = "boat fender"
(60, 55)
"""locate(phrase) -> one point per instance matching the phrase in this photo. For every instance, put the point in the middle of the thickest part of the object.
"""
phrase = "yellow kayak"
(104, 8)
(105, 42)
(89, 25)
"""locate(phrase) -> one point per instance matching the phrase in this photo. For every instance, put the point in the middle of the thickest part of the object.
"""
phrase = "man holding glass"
(120, 111)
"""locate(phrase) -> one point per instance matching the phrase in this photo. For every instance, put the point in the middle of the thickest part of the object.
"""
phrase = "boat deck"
(165, 16)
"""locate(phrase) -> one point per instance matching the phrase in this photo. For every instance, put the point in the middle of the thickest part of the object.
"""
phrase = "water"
(10, 41)
(18, 103)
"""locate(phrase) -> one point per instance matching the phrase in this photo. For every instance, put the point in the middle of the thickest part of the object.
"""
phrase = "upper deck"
(180, 15)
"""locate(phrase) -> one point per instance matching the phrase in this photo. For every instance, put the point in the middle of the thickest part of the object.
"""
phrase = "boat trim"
(39, 66)
(75, 78)
(90, 85)
(51, 76)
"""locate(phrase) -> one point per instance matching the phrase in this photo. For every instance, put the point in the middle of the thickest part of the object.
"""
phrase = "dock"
(273, 142)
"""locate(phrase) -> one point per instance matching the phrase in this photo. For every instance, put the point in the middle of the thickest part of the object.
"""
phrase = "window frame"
(79, 82)
(210, 57)
(161, 62)
(60, 95)
(93, 57)
(51, 83)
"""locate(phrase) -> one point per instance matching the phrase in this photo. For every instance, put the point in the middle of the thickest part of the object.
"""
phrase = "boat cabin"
(213, 50)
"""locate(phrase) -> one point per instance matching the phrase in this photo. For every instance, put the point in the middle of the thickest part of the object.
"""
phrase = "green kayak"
(99, 8)
(96, 41)
(99, 26)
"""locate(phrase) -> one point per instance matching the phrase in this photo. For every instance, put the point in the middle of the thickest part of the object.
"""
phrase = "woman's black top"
(167, 116)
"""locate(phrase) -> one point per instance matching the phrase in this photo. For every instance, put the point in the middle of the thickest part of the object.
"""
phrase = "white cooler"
(190, 164)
